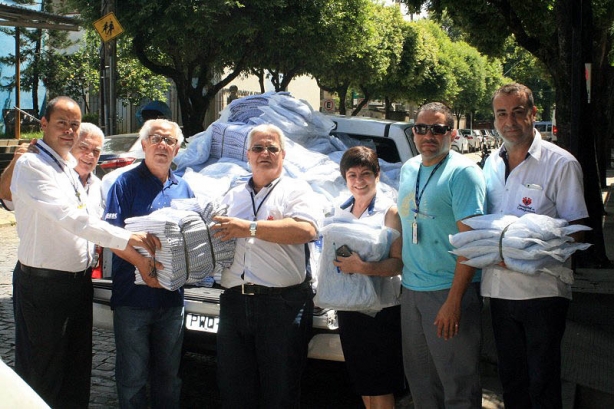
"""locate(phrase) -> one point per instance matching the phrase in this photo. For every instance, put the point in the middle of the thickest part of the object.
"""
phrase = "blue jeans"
(148, 347)
(262, 348)
(528, 335)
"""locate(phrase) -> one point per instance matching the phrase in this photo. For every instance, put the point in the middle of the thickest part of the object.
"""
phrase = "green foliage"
(521, 66)
(74, 75)
(136, 83)
(193, 43)
(77, 74)
(364, 54)
(91, 117)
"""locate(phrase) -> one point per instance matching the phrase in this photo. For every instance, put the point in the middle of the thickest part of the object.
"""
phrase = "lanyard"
(63, 169)
(257, 209)
(77, 193)
(419, 192)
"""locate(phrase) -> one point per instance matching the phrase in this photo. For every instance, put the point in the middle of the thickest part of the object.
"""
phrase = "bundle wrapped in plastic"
(221, 252)
(528, 244)
(351, 292)
(229, 140)
(185, 252)
(190, 253)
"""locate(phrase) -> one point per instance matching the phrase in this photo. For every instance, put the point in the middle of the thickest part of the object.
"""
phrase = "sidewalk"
(588, 344)
(6, 218)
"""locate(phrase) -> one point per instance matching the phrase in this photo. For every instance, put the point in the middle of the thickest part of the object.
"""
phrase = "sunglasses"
(437, 129)
(155, 139)
(259, 149)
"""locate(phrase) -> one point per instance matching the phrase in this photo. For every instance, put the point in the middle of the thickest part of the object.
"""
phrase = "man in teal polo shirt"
(440, 302)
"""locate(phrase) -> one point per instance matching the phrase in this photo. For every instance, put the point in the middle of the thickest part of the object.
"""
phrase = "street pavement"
(588, 344)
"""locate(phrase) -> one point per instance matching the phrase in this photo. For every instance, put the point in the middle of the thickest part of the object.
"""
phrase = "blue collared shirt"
(138, 192)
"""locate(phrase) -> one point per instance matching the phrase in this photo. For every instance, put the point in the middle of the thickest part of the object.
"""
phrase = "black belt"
(255, 289)
(47, 273)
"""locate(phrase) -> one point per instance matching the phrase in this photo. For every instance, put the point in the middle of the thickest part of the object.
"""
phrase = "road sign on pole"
(328, 105)
(108, 27)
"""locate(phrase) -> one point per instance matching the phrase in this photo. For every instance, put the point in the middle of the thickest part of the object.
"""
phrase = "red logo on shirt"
(270, 218)
(526, 201)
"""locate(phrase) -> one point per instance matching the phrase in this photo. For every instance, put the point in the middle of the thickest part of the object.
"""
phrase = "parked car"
(498, 139)
(547, 130)
(460, 143)
(119, 151)
(393, 142)
(488, 139)
(474, 138)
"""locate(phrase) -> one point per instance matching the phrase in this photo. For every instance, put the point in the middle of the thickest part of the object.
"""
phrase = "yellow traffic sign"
(108, 27)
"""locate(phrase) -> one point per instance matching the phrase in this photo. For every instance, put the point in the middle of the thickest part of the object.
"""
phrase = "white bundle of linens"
(184, 251)
(529, 244)
(189, 253)
(222, 252)
(351, 292)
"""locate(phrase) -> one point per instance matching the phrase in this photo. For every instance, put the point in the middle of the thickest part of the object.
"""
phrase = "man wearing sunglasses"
(440, 301)
(529, 175)
(266, 309)
(147, 319)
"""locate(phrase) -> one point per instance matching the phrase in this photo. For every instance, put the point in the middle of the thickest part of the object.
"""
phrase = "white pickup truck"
(393, 142)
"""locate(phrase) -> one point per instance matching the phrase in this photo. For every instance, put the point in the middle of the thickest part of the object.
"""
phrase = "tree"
(135, 82)
(356, 33)
(418, 57)
(77, 74)
(383, 58)
(526, 69)
(297, 34)
(562, 34)
(200, 46)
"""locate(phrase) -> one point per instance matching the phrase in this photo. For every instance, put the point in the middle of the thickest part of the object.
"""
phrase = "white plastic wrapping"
(352, 292)
(528, 244)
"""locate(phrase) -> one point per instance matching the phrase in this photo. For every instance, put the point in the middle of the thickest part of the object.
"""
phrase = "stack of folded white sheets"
(222, 252)
(189, 251)
(184, 251)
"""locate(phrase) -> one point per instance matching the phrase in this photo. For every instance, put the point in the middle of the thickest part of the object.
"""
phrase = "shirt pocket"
(530, 198)
(273, 212)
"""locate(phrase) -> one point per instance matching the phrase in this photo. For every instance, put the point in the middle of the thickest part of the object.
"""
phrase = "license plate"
(201, 323)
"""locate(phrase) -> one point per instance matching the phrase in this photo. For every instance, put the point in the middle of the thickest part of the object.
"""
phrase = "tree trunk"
(582, 137)
(343, 93)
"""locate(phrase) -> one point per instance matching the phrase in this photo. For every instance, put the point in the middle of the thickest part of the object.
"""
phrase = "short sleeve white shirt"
(265, 263)
(547, 182)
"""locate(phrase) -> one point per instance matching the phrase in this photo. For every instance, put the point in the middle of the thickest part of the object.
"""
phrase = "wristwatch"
(252, 228)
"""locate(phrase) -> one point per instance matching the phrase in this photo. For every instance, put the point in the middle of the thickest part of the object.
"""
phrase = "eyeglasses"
(259, 149)
(155, 139)
(437, 129)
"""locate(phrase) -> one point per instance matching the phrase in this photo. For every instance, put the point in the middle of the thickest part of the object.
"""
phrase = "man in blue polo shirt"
(148, 319)
(440, 301)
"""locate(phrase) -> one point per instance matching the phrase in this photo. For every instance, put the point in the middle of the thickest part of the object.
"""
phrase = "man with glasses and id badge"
(440, 300)
(147, 319)
(266, 309)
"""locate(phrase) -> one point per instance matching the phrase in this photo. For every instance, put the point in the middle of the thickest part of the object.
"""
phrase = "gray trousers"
(441, 373)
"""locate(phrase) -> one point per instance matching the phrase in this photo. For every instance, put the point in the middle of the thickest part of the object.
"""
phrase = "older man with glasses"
(266, 310)
(148, 320)
(440, 302)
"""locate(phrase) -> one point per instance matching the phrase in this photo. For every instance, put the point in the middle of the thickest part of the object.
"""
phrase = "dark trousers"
(528, 336)
(262, 348)
(53, 336)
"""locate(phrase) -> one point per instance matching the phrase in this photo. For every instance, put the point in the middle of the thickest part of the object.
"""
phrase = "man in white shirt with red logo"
(266, 310)
(529, 175)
